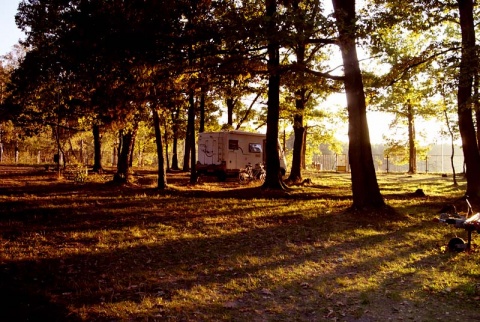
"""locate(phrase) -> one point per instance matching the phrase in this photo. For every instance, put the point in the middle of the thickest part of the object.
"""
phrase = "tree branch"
(245, 116)
(417, 61)
(324, 75)
(325, 41)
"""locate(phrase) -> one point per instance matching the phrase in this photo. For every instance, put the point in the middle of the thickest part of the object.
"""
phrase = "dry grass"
(221, 251)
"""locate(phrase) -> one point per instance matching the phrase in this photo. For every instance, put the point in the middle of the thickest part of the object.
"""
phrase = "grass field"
(225, 252)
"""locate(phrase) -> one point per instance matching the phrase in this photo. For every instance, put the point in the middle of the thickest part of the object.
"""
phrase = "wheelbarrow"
(470, 224)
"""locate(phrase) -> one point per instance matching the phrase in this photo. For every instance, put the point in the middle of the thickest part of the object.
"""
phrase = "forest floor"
(221, 251)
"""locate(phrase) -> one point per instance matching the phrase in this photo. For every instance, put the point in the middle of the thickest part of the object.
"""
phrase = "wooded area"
(121, 90)
(162, 71)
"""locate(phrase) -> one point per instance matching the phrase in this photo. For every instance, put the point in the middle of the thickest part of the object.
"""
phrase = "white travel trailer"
(224, 153)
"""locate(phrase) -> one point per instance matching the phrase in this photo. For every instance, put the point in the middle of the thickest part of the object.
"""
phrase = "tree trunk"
(191, 136)
(1, 144)
(188, 142)
(175, 140)
(298, 161)
(298, 128)
(365, 189)
(230, 105)
(175, 152)
(130, 157)
(167, 138)
(476, 104)
(201, 128)
(188, 147)
(97, 149)
(123, 173)
(298, 145)
(120, 143)
(304, 149)
(16, 151)
(162, 177)
(477, 119)
(82, 156)
(246, 115)
(468, 68)
(412, 149)
(273, 178)
(452, 143)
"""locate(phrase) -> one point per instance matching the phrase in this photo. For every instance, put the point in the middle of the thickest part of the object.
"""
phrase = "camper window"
(255, 148)
(233, 144)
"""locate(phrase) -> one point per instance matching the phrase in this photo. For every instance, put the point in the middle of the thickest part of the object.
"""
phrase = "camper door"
(233, 151)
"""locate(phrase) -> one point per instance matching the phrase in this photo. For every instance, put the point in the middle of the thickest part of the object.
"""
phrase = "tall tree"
(175, 116)
(309, 32)
(273, 178)
(365, 189)
(468, 68)
(442, 19)
(97, 142)
(161, 177)
(301, 95)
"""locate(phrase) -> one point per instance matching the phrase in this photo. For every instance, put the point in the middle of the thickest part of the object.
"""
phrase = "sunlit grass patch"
(220, 251)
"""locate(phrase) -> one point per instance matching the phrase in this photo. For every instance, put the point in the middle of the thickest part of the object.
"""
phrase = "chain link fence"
(329, 162)
(430, 164)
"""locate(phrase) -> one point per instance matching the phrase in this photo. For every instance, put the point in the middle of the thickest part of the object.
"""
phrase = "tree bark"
(452, 145)
(130, 158)
(476, 104)
(175, 140)
(175, 152)
(412, 149)
(123, 165)
(201, 128)
(97, 148)
(298, 160)
(167, 138)
(188, 147)
(82, 156)
(230, 105)
(273, 178)
(298, 148)
(161, 174)
(365, 189)
(298, 128)
(191, 136)
(477, 119)
(468, 68)
(304, 148)
(246, 115)
(17, 150)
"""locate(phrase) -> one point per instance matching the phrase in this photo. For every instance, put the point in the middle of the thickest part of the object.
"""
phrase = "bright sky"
(9, 33)
(378, 124)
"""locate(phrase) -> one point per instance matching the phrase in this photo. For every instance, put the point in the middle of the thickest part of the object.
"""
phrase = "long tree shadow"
(212, 251)
(185, 263)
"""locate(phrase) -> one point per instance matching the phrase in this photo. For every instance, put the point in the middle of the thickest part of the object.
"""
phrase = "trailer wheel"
(456, 245)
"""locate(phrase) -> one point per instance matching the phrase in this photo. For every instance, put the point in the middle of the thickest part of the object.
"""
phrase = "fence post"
(387, 163)
(426, 164)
